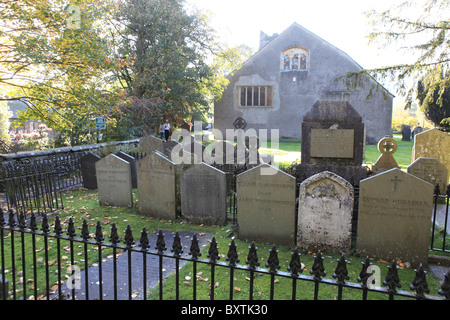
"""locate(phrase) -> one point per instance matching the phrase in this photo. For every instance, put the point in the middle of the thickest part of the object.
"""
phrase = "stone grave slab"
(325, 213)
(203, 195)
(430, 170)
(266, 205)
(132, 161)
(433, 144)
(394, 217)
(156, 186)
(150, 144)
(114, 181)
(87, 164)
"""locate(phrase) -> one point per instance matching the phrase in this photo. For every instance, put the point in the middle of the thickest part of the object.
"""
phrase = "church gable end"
(282, 81)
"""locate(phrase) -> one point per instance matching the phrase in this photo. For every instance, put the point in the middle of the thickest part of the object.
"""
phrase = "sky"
(342, 23)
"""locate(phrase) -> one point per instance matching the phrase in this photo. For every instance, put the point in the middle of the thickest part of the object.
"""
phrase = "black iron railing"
(16, 237)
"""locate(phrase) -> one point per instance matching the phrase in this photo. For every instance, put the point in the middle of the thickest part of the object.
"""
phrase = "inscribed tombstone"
(114, 181)
(433, 144)
(87, 164)
(156, 186)
(203, 195)
(325, 213)
(266, 205)
(430, 170)
(394, 217)
(132, 161)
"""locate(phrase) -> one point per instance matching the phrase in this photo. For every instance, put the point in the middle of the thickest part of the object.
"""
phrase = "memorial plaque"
(332, 143)
(430, 170)
(87, 164)
(132, 161)
(325, 213)
(394, 218)
(156, 186)
(114, 181)
(203, 195)
(266, 205)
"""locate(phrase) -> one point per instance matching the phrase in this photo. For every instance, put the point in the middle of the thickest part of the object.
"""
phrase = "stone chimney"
(264, 39)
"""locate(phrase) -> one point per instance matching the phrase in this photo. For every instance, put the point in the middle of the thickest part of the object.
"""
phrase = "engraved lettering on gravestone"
(332, 143)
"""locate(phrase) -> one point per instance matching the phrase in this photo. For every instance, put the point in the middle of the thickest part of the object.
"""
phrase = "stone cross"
(395, 180)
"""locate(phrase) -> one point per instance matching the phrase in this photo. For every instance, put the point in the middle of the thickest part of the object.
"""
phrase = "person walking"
(167, 130)
(161, 131)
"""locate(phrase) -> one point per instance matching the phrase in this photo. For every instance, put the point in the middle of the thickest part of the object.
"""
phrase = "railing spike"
(11, 218)
(99, 233)
(33, 222)
(144, 242)
(2, 217)
(114, 236)
(85, 231)
(58, 227)
(22, 220)
(273, 263)
(392, 280)
(177, 248)
(252, 258)
(194, 250)
(419, 284)
(232, 256)
(364, 275)
(45, 225)
(71, 228)
(129, 240)
(160, 243)
(295, 266)
(213, 252)
(341, 272)
(318, 270)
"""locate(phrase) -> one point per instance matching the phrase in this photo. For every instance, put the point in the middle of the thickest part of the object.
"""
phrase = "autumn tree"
(163, 52)
(54, 57)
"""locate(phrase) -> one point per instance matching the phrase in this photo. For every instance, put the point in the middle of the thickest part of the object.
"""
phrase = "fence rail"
(50, 257)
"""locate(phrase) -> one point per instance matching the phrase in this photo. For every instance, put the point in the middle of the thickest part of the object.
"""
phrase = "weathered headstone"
(132, 161)
(87, 164)
(150, 144)
(167, 147)
(433, 144)
(266, 205)
(332, 140)
(203, 195)
(114, 181)
(394, 217)
(156, 186)
(325, 213)
(387, 146)
(430, 170)
(406, 132)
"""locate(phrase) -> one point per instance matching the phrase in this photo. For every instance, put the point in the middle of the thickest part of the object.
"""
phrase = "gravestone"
(433, 144)
(430, 170)
(132, 161)
(266, 205)
(156, 186)
(150, 144)
(87, 164)
(332, 140)
(325, 213)
(387, 146)
(406, 132)
(394, 217)
(203, 195)
(114, 181)
(167, 147)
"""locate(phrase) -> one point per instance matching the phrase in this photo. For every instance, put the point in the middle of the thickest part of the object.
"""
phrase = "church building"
(280, 83)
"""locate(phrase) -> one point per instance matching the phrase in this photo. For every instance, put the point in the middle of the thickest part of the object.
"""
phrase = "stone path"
(137, 285)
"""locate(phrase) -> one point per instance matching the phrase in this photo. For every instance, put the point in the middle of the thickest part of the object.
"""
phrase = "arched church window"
(295, 58)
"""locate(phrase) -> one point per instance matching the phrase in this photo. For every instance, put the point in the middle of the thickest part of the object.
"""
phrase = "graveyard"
(259, 233)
